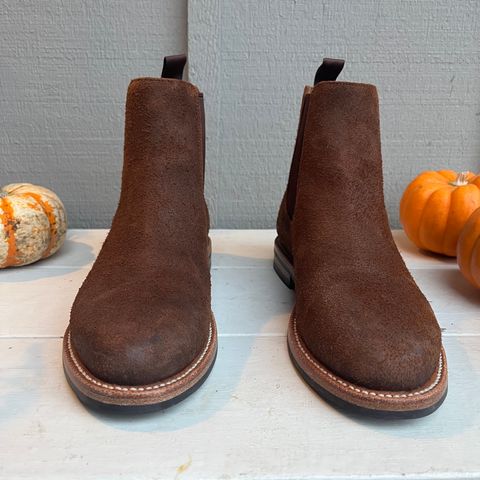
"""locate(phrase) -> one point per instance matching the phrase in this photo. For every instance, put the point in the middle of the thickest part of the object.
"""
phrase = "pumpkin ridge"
(447, 223)
(412, 228)
(448, 175)
(466, 242)
(52, 220)
(426, 243)
(467, 266)
(462, 199)
(420, 220)
(422, 215)
(421, 181)
(473, 257)
(8, 223)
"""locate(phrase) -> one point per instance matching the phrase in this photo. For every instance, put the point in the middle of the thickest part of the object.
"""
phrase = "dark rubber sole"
(134, 409)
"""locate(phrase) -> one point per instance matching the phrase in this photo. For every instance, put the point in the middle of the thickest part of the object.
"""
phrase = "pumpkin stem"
(461, 180)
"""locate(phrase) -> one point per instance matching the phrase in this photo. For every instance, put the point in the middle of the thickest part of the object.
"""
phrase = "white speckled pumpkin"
(33, 224)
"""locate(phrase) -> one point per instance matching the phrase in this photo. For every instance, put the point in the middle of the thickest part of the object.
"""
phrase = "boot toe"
(133, 342)
(382, 342)
(407, 363)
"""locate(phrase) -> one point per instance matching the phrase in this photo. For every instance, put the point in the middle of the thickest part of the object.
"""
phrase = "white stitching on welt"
(367, 392)
(138, 389)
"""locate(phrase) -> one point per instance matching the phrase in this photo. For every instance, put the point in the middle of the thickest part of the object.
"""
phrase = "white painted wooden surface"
(254, 417)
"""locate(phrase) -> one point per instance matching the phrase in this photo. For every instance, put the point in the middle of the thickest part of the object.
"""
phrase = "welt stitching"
(138, 389)
(364, 391)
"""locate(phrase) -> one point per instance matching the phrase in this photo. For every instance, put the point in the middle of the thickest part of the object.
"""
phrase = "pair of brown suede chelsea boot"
(142, 334)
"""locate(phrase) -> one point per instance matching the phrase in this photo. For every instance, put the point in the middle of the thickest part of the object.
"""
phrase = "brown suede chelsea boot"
(142, 334)
(361, 333)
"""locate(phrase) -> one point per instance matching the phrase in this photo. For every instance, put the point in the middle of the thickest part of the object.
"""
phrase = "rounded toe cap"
(137, 346)
(405, 362)
(378, 342)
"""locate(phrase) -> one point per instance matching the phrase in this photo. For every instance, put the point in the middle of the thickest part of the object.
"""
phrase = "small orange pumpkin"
(33, 224)
(468, 249)
(435, 207)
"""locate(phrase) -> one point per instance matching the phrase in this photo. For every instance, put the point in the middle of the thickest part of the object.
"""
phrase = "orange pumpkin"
(435, 207)
(468, 249)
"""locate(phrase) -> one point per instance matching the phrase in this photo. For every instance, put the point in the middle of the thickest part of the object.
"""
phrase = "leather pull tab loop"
(173, 66)
(329, 70)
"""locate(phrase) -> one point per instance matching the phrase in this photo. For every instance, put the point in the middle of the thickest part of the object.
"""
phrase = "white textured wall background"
(64, 69)
(252, 59)
(65, 66)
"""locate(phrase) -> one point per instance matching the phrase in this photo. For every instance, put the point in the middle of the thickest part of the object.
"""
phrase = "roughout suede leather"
(358, 310)
(143, 312)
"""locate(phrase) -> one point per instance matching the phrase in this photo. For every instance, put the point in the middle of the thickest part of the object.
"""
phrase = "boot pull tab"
(173, 66)
(329, 70)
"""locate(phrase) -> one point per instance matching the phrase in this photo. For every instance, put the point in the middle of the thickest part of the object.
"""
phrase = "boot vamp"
(143, 312)
(140, 328)
(361, 314)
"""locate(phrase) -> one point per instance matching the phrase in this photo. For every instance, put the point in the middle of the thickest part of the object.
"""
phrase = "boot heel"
(209, 250)
(283, 267)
